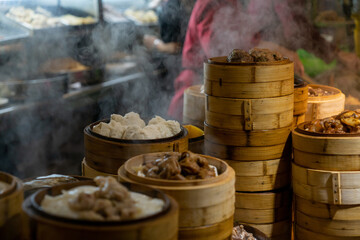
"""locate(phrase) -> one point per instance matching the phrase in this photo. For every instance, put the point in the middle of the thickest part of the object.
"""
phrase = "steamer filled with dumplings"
(109, 143)
(206, 197)
(101, 209)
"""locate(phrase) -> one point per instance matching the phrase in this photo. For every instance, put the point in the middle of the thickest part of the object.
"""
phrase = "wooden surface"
(10, 208)
(107, 156)
(332, 187)
(202, 202)
(327, 153)
(300, 100)
(194, 106)
(246, 138)
(325, 106)
(164, 226)
(247, 153)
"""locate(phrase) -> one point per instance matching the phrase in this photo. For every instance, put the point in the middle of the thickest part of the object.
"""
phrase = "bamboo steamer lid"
(194, 106)
(278, 230)
(89, 172)
(331, 187)
(333, 152)
(202, 202)
(327, 211)
(249, 80)
(246, 138)
(44, 226)
(10, 207)
(107, 154)
(241, 153)
(301, 93)
(325, 106)
(264, 207)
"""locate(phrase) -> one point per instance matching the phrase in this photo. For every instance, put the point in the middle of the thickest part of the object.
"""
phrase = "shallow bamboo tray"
(275, 231)
(246, 138)
(252, 80)
(265, 207)
(10, 208)
(298, 119)
(332, 187)
(257, 176)
(108, 154)
(194, 106)
(249, 114)
(333, 152)
(44, 226)
(202, 202)
(247, 153)
(325, 106)
(92, 173)
(300, 99)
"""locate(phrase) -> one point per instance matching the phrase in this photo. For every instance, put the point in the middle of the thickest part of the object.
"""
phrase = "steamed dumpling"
(102, 129)
(173, 126)
(152, 132)
(116, 129)
(129, 119)
(156, 120)
(133, 132)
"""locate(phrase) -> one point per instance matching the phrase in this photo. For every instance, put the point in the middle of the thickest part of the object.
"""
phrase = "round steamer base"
(89, 172)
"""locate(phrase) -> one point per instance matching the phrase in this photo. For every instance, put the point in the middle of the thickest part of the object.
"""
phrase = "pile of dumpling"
(131, 126)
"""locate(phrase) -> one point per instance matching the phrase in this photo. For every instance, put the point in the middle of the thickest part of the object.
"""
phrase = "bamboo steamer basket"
(325, 106)
(298, 119)
(246, 138)
(264, 207)
(257, 176)
(89, 172)
(10, 208)
(301, 92)
(329, 227)
(194, 106)
(302, 233)
(275, 231)
(248, 80)
(107, 154)
(241, 153)
(44, 226)
(249, 114)
(196, 139)
(328, 211)
(331, 187)
(202, 202)
(332, 152)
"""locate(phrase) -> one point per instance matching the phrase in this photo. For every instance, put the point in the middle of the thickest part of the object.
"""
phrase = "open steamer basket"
(326, 167)
(106, 154)
(163, 225)
(10, 207)
(206, 205)
(324, 106)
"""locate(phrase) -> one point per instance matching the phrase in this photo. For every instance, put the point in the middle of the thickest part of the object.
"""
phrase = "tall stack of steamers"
(248, 119)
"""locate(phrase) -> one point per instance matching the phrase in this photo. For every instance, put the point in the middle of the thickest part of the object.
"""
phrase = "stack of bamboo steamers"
(248, 119)
(326, 183)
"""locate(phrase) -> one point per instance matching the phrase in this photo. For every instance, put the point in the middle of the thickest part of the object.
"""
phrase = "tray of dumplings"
(142, 17)
(45, 18)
